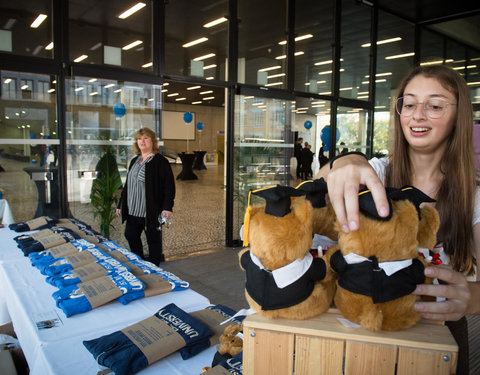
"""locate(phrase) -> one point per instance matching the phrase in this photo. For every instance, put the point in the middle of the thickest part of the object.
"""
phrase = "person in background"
(149, 192)
(307, 159)
(433, 151)
(322, 159)
(297, 152)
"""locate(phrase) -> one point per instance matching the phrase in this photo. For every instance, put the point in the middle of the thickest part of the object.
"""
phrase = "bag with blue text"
(135, 347)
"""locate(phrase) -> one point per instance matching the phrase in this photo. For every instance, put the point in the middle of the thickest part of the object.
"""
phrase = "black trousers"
(133, 230)
(299, 166)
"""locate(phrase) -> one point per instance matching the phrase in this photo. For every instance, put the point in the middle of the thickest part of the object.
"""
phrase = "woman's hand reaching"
(348, 174)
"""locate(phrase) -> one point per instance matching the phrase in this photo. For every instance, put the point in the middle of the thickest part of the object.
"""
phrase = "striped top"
(136, 188)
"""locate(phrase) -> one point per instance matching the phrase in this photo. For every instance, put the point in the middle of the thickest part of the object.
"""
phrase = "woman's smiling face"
(422, 132)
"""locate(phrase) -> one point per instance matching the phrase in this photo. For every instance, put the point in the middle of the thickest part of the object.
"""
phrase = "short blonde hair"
(149, 133)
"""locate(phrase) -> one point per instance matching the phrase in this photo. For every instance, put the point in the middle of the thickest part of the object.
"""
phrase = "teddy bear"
(230, 343)
(325, 233)
(379, 265)
(283, 280)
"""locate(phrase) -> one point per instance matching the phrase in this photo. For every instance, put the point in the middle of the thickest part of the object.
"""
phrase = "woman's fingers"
(456, 293)
(344, 181)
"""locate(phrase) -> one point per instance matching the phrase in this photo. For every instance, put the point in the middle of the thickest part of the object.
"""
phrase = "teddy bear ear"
(315, 191)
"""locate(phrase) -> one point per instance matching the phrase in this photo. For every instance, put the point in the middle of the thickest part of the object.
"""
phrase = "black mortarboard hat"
(315, 191)
(410, 193)
(367, 205)
(277, 199)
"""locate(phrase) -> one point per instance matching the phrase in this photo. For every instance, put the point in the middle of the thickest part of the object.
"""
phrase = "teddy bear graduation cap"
(378, 265)
(325, 233)
(283, 280)
(277, 203)
(407, 192)
(315, 191)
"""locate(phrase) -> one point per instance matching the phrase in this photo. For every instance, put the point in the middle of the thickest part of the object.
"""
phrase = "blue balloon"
(200, 126)
(119, 110)
(325, 137)
(187, 117)
(308, 124)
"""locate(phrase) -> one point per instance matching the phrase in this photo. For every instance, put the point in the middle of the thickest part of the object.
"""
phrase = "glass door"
(102, 116)
(29, 176)
(263, 148)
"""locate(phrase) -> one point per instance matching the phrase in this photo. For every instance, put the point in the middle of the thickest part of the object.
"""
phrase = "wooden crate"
(322, 345)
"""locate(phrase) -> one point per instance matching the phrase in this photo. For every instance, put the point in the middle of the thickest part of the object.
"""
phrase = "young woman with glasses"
(433, 151)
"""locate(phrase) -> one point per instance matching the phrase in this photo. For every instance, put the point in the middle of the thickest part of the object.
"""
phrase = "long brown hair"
(456, 195)
(149, 133)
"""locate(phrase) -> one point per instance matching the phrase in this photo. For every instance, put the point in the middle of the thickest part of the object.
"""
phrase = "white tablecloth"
(59, 350)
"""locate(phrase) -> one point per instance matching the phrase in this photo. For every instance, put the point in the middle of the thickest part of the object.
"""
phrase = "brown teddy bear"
(379, 266)
(230, 342)
(325, 233)
(283, 280)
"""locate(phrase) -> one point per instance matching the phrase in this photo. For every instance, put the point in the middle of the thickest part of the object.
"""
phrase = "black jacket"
(368, 279)
(297, 150)
(159, 189)
(262, 288)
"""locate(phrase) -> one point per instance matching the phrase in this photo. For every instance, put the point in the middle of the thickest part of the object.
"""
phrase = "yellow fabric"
(246, 219)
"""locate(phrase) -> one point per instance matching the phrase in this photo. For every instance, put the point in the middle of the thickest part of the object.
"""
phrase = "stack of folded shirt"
(72, 261)
(102, 267)
(118, 252)
(50, 255)
(215, 318)
(228, 366)
(38, 223)
(132, 349)
(45, 239)
(76, 299)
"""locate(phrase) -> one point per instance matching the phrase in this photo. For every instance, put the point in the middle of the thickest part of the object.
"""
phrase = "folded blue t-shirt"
(117, 352)
(72, 301)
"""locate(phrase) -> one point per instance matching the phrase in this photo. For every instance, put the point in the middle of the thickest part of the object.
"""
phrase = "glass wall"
(263, 150)
(394, 61)
(262, 51)
(351, 130)
(29, 145)
(102, 116)
(119, 34)
(196, 38)
(314, 37)
(355, 41)
(26, 30)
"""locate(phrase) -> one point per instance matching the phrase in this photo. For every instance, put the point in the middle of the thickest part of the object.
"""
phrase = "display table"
(199, 164)
(59, 350)
(187, 164)
(322, 345)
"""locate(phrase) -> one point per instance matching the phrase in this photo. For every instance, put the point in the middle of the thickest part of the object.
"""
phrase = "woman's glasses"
(433, 107)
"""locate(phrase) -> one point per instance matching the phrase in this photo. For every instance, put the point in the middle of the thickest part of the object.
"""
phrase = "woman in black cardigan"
(148, 193)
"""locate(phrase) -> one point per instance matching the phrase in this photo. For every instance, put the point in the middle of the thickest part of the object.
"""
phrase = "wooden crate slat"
(318, 356)
(365, 358)
(269, 352)
(423, 362)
